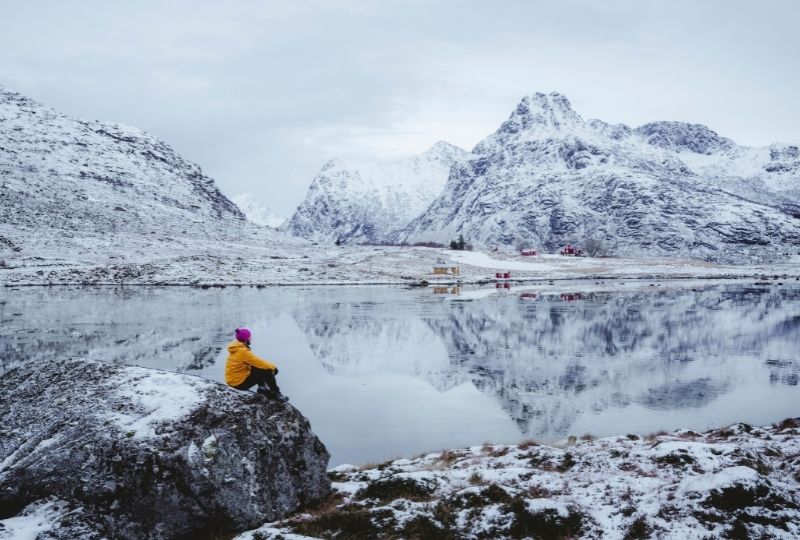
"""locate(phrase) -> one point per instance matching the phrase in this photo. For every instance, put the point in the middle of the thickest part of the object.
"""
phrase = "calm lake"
(388, 372)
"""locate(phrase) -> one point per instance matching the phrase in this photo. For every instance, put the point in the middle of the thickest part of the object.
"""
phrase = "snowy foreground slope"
(547, 177)
(736, 482)
(353, 202)
(257, 212)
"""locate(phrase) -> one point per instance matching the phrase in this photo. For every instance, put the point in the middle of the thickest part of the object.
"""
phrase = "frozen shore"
(275, 262)
(735, 482)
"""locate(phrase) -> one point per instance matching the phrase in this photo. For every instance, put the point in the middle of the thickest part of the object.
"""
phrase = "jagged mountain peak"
(444, 148)
(256, 211)
(553, 110)
(536, 116)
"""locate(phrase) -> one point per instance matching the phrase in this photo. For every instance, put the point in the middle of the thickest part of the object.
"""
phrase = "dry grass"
(500, 452)
(476, 480)
(327, 506)
(447, 458)
(788, 423)
(527, 443)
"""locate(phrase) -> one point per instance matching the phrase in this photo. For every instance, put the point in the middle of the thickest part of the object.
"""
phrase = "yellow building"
(446, 270)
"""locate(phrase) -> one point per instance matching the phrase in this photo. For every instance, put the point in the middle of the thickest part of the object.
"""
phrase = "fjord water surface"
(390, 372)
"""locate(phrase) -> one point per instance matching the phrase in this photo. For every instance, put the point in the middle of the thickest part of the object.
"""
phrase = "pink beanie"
(243, 334)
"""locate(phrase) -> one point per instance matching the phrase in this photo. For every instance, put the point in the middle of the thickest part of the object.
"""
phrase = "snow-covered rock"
(144, 453)
(736, 482)
(257, 212)
(548, 178)
(355, 202)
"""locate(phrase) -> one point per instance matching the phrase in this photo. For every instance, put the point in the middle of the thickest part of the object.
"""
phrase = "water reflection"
(550, 364)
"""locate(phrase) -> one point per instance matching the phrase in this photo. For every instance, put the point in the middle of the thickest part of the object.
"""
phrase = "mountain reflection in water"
(384, 372)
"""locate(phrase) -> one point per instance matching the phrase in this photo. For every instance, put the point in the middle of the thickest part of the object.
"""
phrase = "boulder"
(143, 453)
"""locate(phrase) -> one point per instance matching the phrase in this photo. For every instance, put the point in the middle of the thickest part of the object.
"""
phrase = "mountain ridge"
(546, 177)
(366, 202)
(93, 179)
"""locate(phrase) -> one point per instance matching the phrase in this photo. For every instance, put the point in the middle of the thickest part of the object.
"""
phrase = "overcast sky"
(261, 94)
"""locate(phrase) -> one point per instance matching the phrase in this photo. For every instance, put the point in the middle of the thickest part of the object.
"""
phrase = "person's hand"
(275, 371)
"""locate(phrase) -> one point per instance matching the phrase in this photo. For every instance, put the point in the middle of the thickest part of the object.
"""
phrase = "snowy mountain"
(257, 212)
(64, 178)
(366, 202)
(548, 177)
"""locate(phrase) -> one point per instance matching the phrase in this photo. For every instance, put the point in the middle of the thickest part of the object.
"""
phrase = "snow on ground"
(268, 258)
(737, 482)
(541, 263)
(36, 519)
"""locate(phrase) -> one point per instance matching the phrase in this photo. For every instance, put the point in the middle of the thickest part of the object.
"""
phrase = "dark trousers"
(260, 376)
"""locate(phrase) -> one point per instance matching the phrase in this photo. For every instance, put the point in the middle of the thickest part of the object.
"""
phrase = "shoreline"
(283, 265)
(425, 283)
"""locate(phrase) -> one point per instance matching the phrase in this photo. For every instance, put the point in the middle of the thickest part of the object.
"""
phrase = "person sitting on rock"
(243, 369)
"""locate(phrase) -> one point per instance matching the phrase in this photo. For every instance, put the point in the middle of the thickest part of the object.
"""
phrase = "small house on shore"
(571, 250)
(441, 270)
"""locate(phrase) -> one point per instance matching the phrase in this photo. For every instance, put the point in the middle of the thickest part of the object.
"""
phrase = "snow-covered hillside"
(63, 178)
(257, 212)
(353, 202)
(547, 177)
(739, 481)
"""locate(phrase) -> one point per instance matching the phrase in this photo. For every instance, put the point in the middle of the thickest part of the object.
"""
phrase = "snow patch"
(37, 519)
(151, 398)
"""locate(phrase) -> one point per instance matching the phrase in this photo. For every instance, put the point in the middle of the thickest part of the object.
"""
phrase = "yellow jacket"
(240, 358)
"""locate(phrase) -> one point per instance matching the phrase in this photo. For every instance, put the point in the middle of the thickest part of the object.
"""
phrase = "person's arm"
(255, 361)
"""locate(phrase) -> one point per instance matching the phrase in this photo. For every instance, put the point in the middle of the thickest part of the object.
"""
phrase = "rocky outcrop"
(129, 452)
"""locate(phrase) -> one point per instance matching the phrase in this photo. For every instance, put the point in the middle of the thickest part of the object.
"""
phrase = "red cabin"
(571, 250)
(502, 275)
(529, 252)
